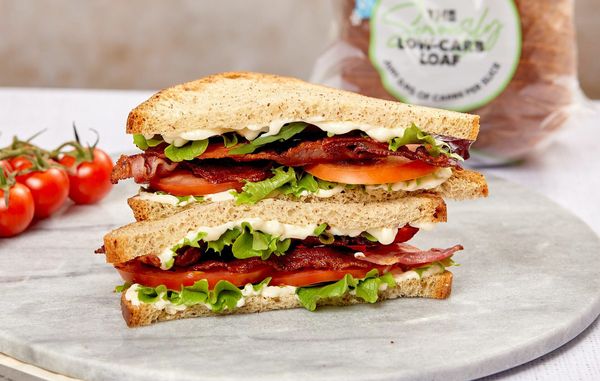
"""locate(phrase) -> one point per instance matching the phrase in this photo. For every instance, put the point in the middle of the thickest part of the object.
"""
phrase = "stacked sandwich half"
(261, 192)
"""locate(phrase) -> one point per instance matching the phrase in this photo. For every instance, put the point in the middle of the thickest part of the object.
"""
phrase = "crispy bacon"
(302, 257)
(401, 253)
(142, 167)
(222, 171)
(333, 149)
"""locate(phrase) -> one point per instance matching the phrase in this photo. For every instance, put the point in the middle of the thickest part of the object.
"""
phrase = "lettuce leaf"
(285, 180)
(253, 243)
(224, 240)
(188, 151)
(122, 287)
(414, 135)
(142, 143)
(309, 296)
(229, 139)
(319, 229)
(252, 192)
(366, 289)
(369, 236)
(245, 242)
(286, 132)
(261, 285)
(443, 264)
(225, 295)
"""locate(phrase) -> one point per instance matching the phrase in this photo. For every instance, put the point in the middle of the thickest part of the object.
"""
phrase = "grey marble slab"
(528, 283)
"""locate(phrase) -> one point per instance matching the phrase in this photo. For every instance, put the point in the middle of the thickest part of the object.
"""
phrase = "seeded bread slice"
(435, 286)
(463, 185)
(154, 236)
(231, 101)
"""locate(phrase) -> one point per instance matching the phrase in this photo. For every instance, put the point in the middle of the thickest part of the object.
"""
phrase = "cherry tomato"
(387, 171)
(183, 183)
(50, 188)
(18, 215)
(90, 181)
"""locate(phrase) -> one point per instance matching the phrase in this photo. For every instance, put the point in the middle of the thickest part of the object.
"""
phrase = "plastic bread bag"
(511, 62)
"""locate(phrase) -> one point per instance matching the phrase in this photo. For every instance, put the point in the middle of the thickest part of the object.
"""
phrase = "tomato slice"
(309, 277)
(136, 272)
(386, 171)
(181, 183)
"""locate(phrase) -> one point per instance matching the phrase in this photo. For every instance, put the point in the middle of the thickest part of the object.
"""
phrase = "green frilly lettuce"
(414, 135)
(245, 243)
(224, 295)
(286, 181)
(366, 289)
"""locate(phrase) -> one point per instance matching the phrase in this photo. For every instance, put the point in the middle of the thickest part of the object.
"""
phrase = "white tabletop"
(567, 171)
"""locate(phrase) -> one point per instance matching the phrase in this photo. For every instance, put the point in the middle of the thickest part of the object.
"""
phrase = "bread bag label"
(456, 55)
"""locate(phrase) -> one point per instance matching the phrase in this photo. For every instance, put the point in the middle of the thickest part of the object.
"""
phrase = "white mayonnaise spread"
(161, 304)
(428, 226)
(269, 291)
(324, 193)
(165, 198)
(425, 182)
(383, 235)
(434, 269)
(172, 200)
(251, 132)
(221, 196)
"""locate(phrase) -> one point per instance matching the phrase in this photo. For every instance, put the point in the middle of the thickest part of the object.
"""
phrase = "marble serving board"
(528, 283)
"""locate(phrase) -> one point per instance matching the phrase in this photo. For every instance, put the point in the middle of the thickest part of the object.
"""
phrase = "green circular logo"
(455, 55)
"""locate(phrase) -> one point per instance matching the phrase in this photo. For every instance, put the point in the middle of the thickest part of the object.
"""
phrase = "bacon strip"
(333, 149)
(142, 167)
(401, 253)
(223, 171)
(301, 257)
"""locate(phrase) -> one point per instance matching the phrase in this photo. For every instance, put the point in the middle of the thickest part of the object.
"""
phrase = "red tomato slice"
(182, 183)
(135, 272)
(389, 170)
(309, 277)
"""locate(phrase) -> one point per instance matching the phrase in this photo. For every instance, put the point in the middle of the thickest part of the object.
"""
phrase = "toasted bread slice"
(435, 286)
(463, 185)
(154, 236)
(232, 101)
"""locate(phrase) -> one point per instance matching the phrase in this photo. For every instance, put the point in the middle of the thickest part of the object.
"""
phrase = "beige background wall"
(154, 43)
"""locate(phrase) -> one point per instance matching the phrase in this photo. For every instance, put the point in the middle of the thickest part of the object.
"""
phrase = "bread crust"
(238, 99)
(436, 286)
(463, 185)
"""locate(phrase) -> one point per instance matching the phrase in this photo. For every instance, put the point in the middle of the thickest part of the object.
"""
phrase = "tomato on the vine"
(49, 187)
(17, 216)
(5, 165)
(89, 180)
